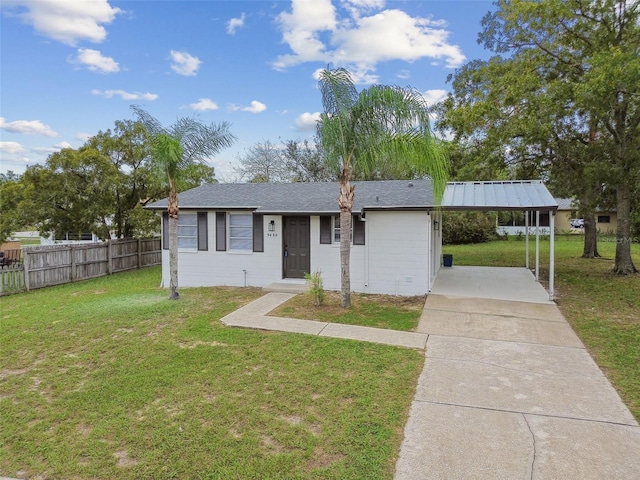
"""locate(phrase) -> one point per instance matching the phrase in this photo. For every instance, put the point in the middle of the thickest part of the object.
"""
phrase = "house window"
(246, 232)
(240, 232)
(604, 219)
(330, 230)
(188, 230)
(192, 231)
(336, 229)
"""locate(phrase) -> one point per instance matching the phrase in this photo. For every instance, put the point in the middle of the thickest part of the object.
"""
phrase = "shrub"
(468, 227)
(316, 286)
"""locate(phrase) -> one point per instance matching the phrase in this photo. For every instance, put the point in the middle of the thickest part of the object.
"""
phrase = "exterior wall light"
(272, 226)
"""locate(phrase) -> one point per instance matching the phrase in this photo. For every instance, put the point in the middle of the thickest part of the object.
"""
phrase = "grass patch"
(107, 378)
(379, 311)
(602, 308)
(26, 242)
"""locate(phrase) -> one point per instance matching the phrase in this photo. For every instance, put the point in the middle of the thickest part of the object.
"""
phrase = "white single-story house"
(258, 234)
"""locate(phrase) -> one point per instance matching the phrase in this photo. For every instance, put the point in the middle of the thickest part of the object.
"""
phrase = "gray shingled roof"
(304, 197)
(498, 195)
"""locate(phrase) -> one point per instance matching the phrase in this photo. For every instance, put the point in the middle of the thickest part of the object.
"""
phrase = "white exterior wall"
(209, 268)
(398, 252)
(394, 260)
(326, 259)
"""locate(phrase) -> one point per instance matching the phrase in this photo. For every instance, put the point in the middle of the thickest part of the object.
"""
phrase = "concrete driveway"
(508, 390)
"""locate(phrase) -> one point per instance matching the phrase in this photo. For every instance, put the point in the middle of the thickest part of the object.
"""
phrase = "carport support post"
(537, 245)
(526, 238)
(552, 260)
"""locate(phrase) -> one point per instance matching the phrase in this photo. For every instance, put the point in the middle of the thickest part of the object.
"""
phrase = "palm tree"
(185, 143)
(363, 133)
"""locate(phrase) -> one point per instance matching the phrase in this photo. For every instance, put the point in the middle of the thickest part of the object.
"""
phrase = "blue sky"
(71, 68)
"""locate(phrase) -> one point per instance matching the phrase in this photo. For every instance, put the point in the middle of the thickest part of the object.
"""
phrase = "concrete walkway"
(254, 315)
(508, 390)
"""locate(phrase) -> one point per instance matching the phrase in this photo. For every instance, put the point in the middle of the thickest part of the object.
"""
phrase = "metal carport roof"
(498, 195)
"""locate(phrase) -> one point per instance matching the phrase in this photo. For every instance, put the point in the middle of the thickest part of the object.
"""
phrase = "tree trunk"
(590, 236)
(345, 202)
(173, 241)
(624, 263)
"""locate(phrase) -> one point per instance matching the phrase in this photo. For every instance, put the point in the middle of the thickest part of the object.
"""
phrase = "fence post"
(139, 253)
(73, 263)
(25, 267)
(109, 257)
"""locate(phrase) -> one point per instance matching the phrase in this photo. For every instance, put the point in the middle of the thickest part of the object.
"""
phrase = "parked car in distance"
(577, 223)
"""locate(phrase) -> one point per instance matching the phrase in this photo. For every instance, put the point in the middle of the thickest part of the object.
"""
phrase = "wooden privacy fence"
(46, 266)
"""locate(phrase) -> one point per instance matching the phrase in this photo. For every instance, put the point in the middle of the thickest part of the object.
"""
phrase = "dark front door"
(296, 247)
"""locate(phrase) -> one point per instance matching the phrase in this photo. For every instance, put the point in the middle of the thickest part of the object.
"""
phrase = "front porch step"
(286, 287)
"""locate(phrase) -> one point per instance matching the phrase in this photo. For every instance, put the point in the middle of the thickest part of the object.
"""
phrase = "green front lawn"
(378, 311)
(108, 379)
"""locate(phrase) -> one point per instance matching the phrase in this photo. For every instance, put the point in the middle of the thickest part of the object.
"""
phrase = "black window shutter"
(221, 231)
(258, 233)
(203, 236)
(165, 230)
(325, 229)
(358, 231)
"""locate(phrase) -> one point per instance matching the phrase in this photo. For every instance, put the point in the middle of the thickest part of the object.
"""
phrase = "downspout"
(362, 218)
(537, 245)
(430, 251)
(552, 261)
(526, 238)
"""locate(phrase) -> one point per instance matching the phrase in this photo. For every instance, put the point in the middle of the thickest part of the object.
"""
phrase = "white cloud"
(315, 33)
(95, 61)
(434, 96)
(301, 30)
(204, 104)
(234, 24)
(125, 95)
(307, 121)
(357, 7)
(14, 157)
(12, 148)
(53, 149)
(358, 74)
(67, 21)
(254, 107)
(27, 127)
(394, 35)
(83, 136)
(184, 63)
